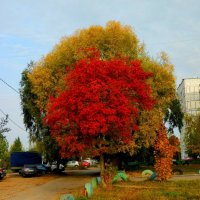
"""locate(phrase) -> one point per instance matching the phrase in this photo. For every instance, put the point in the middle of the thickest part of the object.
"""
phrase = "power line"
(12, 120)
(4, 112)
(9, 86)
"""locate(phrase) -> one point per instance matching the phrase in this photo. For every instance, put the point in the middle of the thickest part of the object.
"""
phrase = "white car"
(72, 163)
(54, 167)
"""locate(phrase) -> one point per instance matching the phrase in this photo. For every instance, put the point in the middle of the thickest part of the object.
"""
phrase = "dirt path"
(14, 184)
(53, 189)
(50, 187)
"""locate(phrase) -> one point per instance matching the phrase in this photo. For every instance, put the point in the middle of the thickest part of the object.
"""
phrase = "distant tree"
(192, 135)
(3, 146)
(174, 141)
(16, 146)
(47, 147)
(174, 116)
(3, 140)
(3, 122)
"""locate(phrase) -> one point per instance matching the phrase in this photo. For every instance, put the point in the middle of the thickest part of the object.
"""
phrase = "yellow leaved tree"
(112, 41)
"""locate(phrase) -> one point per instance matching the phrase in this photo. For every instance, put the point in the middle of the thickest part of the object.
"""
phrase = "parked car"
(28, 170)
(184, 161)
(85, 164)
(72, 163)
(187, 160)
(2, 173)
(91, 161)
(48, 167)
(56, 168)
(42, 169)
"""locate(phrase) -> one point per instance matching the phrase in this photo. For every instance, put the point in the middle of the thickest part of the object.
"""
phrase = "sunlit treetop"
(114, 41)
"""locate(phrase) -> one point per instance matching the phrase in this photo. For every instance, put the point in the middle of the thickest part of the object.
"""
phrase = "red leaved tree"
(99, 107)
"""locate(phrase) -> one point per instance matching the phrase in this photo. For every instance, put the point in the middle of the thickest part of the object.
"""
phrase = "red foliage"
(99, 106)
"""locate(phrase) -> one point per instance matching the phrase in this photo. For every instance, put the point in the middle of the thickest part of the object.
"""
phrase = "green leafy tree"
(3, 146)
(174, 116)
(32, 115)
(16, 146)
(3, 141)
(192, 135)
(38, 133)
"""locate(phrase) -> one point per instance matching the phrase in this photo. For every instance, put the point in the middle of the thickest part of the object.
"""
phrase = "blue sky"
(29, 29)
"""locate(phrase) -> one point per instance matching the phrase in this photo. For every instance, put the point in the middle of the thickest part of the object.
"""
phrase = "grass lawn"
(187, 169)
(150, 190)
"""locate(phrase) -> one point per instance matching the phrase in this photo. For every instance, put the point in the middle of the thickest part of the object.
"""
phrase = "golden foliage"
(149, 122)
(174, 141)
(163, 153)
(163, 90)
(162, 82)
(113, 40)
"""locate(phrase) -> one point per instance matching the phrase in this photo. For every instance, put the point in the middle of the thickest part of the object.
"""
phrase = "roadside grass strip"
(143, 190)
(151, 190)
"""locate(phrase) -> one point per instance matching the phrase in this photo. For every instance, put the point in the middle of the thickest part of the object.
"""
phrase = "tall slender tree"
(38, 133)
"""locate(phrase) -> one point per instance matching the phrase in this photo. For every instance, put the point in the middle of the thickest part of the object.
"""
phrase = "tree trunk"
(102, 169)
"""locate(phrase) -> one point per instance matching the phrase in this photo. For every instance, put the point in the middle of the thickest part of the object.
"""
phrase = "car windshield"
(29, 166)
(40, 166)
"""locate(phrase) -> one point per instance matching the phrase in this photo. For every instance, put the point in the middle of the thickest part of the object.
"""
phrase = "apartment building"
(189, 96)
